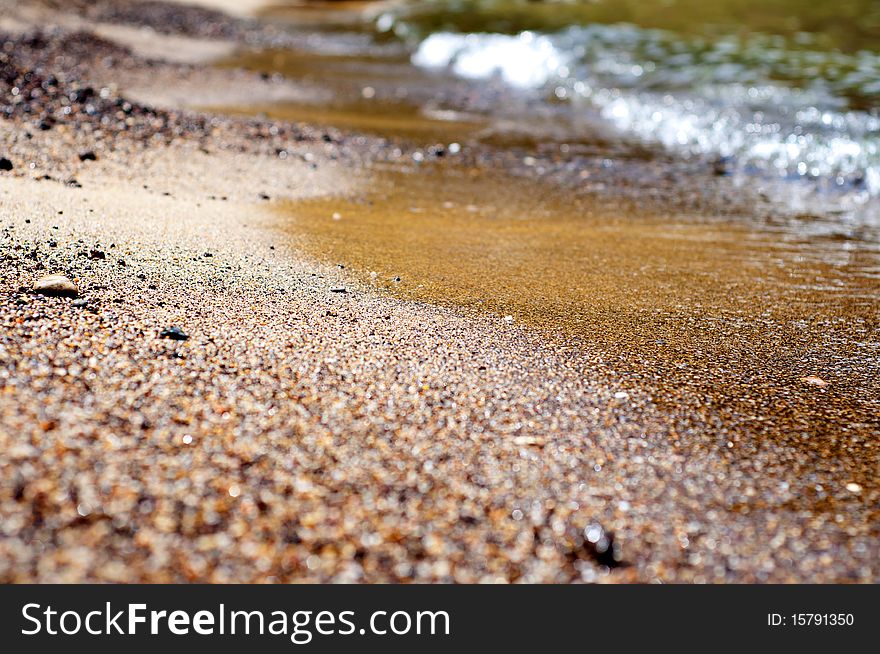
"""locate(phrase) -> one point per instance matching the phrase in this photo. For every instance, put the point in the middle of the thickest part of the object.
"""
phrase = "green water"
(785, 88)
(826, 25)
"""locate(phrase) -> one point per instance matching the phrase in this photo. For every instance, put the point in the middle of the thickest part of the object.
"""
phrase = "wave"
(756, 103)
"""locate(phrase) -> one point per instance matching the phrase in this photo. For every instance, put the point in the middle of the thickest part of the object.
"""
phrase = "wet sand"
(407, 431)
(711, 310)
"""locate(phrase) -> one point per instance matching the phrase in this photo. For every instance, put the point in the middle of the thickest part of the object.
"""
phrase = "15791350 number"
(810, 619)
(822, 619)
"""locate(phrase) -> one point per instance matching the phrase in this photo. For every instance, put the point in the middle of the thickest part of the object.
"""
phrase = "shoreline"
(303, 434)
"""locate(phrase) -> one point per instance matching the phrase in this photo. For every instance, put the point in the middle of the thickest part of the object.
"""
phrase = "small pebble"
(174, 333)
(57, 285)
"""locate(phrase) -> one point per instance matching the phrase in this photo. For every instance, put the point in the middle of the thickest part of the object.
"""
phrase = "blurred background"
(784, 88)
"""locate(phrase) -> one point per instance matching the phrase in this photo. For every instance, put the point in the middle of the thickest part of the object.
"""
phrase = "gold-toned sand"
(712, 311)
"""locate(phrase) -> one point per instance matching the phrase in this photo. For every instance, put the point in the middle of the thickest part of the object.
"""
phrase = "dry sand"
(305, 434)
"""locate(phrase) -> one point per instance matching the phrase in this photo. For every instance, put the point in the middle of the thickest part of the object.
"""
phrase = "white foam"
(524, 61)
(704, 110)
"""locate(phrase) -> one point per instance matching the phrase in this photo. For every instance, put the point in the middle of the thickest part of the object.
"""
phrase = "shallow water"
(683, 307)
(775, 87)
(734, 311)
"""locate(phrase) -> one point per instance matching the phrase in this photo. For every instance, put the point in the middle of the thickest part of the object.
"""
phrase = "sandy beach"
(304, 422)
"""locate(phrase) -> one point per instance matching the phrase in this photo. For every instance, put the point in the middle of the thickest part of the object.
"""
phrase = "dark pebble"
(5, 164)
(600, 546)
(88, 156)
(722, 166)
(174, 333)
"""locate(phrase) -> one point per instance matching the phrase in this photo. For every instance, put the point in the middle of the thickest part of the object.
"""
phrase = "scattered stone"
(853, 487)
(57, 285)
(600, 545)
(338, 289)
(97, 254)
(88, 155)
(528, 440)
(174, 333)
(5, 164)
(81, 303)
(814, 381)
(723, 166)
